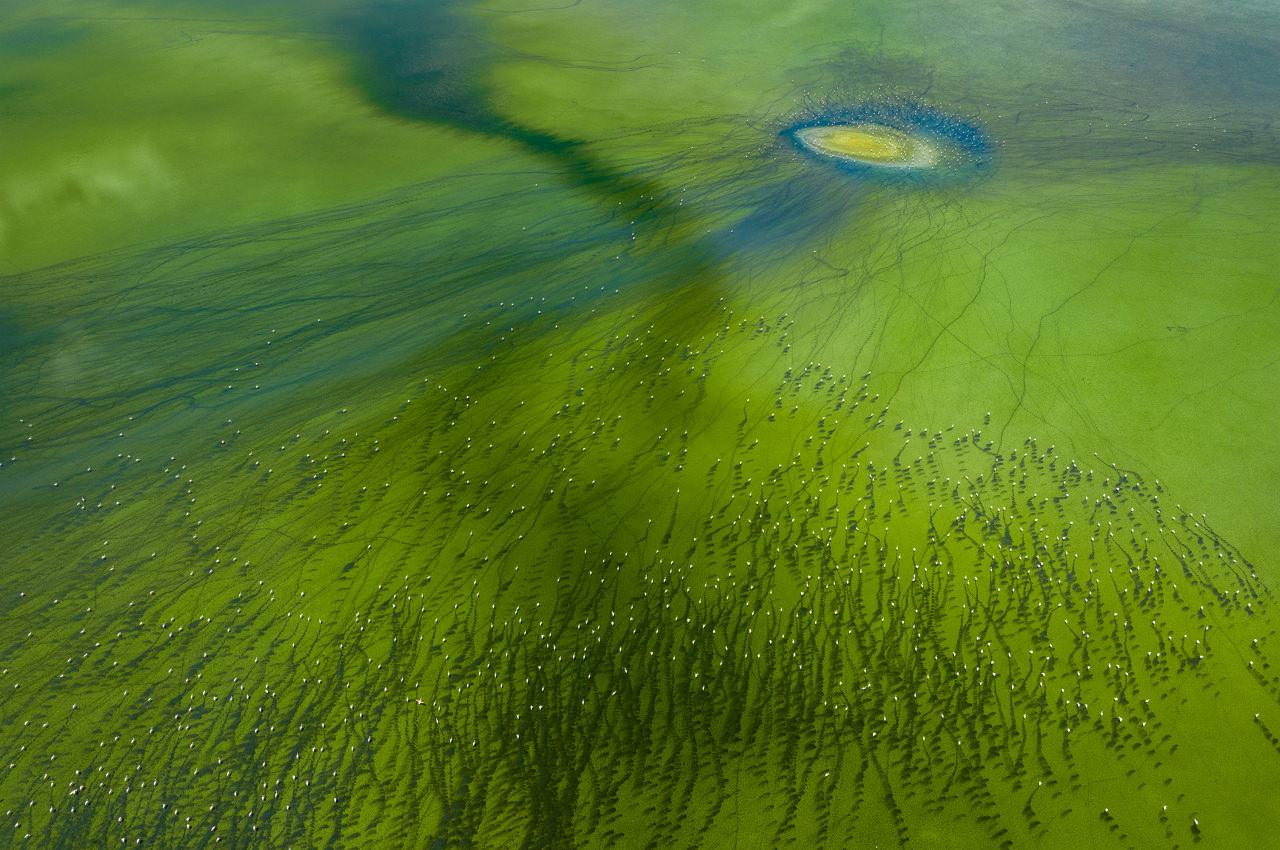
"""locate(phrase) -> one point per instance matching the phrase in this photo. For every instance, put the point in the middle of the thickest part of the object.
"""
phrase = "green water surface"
(454, 424)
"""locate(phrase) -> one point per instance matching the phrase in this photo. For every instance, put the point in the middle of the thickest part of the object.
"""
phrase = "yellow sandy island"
(871, 144)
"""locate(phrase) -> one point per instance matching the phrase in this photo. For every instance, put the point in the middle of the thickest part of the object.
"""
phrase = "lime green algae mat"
(654, 425)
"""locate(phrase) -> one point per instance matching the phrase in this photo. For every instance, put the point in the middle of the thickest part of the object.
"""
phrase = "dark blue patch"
(41, 36)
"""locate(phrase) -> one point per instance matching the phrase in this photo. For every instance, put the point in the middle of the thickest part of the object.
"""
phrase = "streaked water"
(451, 424)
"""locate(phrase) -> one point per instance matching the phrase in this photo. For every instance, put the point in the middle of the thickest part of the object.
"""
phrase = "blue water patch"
(965, 149)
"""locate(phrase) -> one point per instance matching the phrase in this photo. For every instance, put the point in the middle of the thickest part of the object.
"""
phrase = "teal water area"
(444, 424)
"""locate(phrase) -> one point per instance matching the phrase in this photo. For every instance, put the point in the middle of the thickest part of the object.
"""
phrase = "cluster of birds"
(620, 589)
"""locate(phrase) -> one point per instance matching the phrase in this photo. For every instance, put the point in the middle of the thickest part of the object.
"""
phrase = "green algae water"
(508, 424)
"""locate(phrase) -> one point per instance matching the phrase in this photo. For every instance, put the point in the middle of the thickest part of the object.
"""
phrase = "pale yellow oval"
(871, 144)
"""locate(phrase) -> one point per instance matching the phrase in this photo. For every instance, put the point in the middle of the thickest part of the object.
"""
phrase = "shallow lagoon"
(446, 424)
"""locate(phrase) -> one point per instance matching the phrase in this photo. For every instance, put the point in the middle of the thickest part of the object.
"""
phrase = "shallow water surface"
(504, 425)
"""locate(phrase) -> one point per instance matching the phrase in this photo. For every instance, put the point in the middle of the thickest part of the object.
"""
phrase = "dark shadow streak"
(425, 61)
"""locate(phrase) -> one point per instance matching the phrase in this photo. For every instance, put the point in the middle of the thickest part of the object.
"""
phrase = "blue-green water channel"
(452, 424)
